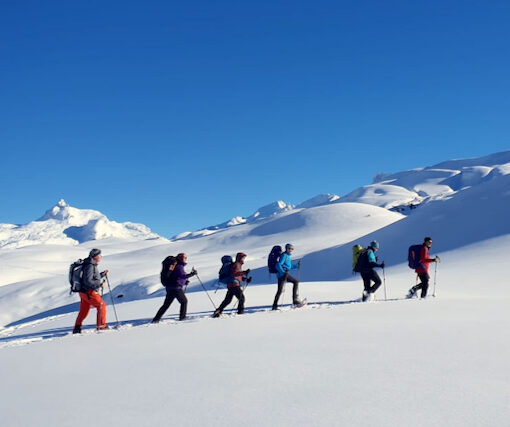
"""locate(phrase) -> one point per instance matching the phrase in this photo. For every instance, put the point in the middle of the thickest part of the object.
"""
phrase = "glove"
(247, 271)
(437, 259)
(187, 282)
(194, 272)
(248, 280)
(382, 264)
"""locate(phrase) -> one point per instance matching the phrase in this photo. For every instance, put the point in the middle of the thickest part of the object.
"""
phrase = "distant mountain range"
(401, 192)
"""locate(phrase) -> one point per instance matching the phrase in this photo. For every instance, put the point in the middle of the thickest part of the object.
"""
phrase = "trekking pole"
(113, 303)
(242, 290)
(212, 302)
(384, 282)
(435, 274)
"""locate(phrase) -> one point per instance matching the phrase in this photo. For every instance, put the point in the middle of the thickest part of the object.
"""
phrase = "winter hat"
(94, 253)
(427, 239)
(289, 245)
(374, 244)
(240, 255)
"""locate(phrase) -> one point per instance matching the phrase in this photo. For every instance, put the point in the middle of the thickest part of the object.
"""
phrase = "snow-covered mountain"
(66, 225)
(401, 192)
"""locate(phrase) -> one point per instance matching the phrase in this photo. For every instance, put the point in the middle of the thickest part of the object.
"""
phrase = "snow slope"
(336, 362)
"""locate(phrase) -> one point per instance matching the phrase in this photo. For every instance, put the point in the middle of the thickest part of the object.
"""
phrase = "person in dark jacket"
(174, 279)
(368, 274)
(283, 267)
(234, 286)
(423, 269)
(92, 281)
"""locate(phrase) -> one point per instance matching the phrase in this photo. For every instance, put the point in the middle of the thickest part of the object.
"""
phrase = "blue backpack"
(224, 273)
(413, 256)
(273, 258)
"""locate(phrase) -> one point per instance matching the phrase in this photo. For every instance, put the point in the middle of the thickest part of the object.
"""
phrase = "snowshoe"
(299, 304)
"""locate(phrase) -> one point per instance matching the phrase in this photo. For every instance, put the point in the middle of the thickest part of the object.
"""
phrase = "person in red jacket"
(234, 286)
(423, 269)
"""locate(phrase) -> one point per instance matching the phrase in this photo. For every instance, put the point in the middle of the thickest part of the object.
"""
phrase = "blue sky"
(181, 116)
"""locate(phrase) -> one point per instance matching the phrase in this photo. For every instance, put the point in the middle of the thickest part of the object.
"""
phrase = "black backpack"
(167, 269)
(224, 273)
(413, 256)
(76, 275)
(273, 258)
(362, 262)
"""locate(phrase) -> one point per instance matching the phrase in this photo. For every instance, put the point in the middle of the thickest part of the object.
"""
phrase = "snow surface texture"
(336, 362)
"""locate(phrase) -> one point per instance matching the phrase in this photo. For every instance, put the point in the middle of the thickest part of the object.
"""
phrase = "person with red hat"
(234, 286)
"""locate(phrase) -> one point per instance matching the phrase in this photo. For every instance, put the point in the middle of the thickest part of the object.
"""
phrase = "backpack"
(167, 269)
(273, 258)
(75, 276)
(413, 256)
(357, 250)
(362, 263)
(224, 273)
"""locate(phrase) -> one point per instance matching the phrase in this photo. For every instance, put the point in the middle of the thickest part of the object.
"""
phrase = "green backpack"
(357, 250)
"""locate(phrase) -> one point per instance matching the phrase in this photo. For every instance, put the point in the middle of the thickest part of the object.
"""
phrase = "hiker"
(174, 279)
(237, 275)
(422, 269)
(92, 280)
(283, 266)
(367, 263)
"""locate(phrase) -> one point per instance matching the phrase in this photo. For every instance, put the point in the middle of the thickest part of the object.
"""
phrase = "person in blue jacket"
(283, 266)
(368, 274)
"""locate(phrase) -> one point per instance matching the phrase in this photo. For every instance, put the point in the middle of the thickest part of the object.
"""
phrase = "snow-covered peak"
(62, 211)
(270, 210)
(319, 200)
(64, 224)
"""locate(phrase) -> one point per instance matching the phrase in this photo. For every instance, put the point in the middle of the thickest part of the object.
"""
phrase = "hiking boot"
(297, 302)
(216, 313)
(103, 328)
(364, 296)
(77, 330)
(411, 293)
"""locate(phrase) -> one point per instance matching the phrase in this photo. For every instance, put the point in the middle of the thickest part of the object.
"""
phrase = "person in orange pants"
(91, 282)
(88, 299)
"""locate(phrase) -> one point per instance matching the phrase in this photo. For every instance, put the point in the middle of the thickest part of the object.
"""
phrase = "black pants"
(231, 292)
(171, 294)
(371, 276)
(281, 283)
(423, 285)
